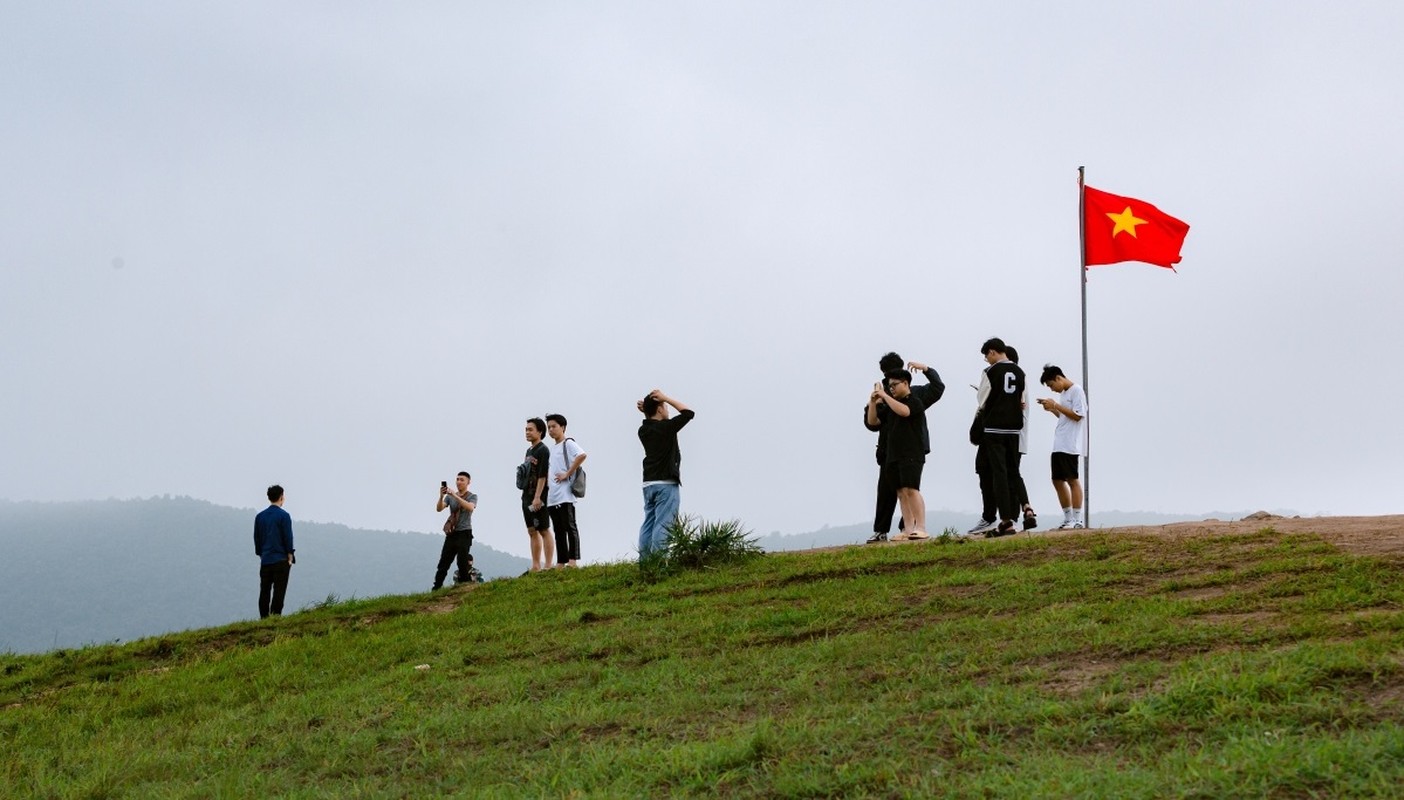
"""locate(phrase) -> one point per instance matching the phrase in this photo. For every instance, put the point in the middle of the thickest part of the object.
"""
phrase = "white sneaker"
(983, 526)
(1070, 526)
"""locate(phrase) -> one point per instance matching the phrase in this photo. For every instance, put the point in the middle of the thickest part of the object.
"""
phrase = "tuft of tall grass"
(698, 544)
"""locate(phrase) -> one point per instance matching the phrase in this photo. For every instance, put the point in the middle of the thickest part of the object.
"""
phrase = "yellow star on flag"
(1125, 221)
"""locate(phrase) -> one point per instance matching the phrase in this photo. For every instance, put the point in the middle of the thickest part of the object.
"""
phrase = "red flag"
(1126, 229)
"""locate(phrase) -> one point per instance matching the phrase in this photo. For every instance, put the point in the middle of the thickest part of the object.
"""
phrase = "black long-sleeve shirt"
(662, 459)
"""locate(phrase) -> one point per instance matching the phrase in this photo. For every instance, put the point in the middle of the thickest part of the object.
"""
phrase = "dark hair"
(275, 493)
(466, 475)
(1012, 353)
(650, 406)
(996, 344)
(556, 418)
(889, 362)
(538, 424)
(898, 375)
(1050, 372)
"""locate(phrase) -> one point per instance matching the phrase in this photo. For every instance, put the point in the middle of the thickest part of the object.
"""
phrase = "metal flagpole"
(1082, 269)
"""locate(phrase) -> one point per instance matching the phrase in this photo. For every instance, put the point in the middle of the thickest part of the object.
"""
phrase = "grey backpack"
(577, 481)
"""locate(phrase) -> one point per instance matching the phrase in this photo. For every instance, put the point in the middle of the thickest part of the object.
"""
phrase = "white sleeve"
(1077, 401)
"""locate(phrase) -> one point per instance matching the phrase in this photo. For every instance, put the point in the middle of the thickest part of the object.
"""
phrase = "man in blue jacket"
(273, 543)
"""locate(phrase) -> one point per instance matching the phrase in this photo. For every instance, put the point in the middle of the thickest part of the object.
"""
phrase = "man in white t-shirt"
(1069, 441)
(566, 458)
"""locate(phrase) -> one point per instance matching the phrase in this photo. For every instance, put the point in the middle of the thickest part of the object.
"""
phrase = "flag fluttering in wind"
(1119, 229)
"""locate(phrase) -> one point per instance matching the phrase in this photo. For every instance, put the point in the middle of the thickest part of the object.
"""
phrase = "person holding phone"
(458, 529)
(902, 417)
(1069, 441)
(887, 483)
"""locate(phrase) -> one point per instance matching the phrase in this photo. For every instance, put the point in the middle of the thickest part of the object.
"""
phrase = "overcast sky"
(351, 247)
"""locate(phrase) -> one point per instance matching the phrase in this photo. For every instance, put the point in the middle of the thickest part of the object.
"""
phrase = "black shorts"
(537, 520)
(907, 472)
(1064, 466)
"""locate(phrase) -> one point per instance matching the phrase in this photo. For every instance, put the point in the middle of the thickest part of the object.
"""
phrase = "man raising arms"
(887, 486)
(662, 468)
(904, 423)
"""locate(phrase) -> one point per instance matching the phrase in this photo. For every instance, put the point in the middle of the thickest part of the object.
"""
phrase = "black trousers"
(1021, 492)
(999, 454)
(987, 494)
(567, 535)
(457, 546)
(272, 588)
(886, 500)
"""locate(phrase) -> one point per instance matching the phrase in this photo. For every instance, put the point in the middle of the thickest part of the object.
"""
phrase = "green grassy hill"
(1098, 665)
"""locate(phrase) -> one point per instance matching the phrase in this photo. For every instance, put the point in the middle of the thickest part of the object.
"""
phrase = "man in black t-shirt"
(904, 433)
(886, 485)
(538, 524)
(662, 469)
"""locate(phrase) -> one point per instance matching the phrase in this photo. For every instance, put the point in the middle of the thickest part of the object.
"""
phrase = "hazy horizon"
(350, 249)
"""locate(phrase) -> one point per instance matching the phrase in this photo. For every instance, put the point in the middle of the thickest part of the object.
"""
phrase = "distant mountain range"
(937, 521)
(94, 572)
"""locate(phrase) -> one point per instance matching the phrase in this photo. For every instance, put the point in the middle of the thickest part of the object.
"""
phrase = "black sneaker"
(1006, 528)
(877, 537)
(1030, 521)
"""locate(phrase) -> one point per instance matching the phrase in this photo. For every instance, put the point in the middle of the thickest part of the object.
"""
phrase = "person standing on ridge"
(886, 486)
(1069, 441)
(566, 458)
(1001, 417)
(903, 417)
(662, 468)
(273, 544)
(458, 530)
(538, 524)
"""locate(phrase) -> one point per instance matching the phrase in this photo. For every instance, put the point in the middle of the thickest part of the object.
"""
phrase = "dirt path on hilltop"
(1368, 536)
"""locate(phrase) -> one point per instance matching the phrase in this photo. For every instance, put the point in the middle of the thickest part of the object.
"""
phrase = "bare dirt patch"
(1075, 676)
(1202, 592)
(1237, 617)
(1369, 536)
(442, 606)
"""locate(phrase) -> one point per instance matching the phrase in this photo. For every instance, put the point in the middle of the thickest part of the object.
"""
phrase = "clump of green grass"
(698, 544)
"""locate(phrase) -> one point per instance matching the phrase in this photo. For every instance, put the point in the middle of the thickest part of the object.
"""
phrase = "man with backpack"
(563, 487)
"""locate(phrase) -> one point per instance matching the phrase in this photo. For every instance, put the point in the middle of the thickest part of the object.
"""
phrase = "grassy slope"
(1095, 665)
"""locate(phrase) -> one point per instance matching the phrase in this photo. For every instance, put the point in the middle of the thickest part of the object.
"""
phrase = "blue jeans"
(661, 502)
